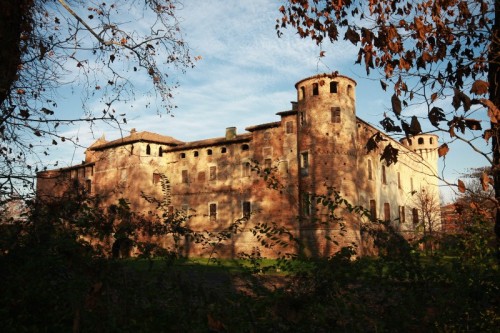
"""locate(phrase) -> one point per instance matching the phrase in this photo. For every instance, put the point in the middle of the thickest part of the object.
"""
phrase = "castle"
(268, 174)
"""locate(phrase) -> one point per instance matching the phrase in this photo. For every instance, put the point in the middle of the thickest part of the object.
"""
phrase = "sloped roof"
(263, 126)
(212, 142)
(137, 137)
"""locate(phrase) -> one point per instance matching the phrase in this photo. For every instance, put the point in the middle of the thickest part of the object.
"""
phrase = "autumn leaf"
(436, 115)
(473, 124)
(415, 127)
(486, 181)
(479, 87)
(493, 111)
(443, 150)
(434, 96)
(24, 113)
(487, 135)
(396, 105)
(383, 84)
(461, 186)
(390, 155)
(352, 36)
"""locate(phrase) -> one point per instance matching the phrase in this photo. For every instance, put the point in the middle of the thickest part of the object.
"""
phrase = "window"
(302, 93)
(148, 150)
(182, 155)
(399, 180)
(195, 154)
(247, 209)
(387, 211)
(245, 147)
(245, 169)
(402, 215)
(283, 167)
(302, 116)
(160, 151)
(201, 176)
(213, 173)
(306, 204)
(373, 210)
(212, 211)
(223, 150)
(304, 163)
(411, 186)
(268, 164)
(431, 141)
(370, 170)
(384, 177)
(209, 152)
(156, 178)
(350, 91)
(410, 142)
(315, 89)
(335, 114)
(333, 87)
(184, 174)
(420, 141)
(88, 186)
(267, 135)
(289, 127)
(414, 213)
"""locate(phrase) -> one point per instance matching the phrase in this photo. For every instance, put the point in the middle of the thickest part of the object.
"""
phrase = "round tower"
(326, 137)
(426, 145)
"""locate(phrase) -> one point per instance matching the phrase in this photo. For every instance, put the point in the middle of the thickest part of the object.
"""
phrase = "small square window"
(289, 127)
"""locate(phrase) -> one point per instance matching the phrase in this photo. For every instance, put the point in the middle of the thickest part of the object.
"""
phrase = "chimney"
(230, 133)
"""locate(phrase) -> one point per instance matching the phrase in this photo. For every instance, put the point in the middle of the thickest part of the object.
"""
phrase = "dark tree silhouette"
(427, 51)
(96, 46)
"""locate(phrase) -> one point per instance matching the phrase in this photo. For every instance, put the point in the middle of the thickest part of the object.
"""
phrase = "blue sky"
(246, 74)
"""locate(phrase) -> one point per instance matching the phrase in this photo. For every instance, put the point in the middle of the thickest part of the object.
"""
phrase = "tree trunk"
(14, 20)
(494, 90)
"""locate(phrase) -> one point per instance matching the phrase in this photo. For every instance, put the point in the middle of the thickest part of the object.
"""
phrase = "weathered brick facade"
(317, 145)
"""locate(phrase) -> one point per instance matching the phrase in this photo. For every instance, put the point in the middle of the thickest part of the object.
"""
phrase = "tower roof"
(137, 137)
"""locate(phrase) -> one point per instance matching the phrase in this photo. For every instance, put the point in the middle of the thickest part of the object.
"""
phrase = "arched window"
(160, 151)
(223, 150)
(148, 150)
(349, 91)
(315, 89)
(302, 93)
(182, 155)
(431, 141)
(195, 154)
(420, 141)
(370, 170)
(245, 147)
(409, 142)
(209, 151)
(384, 176)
